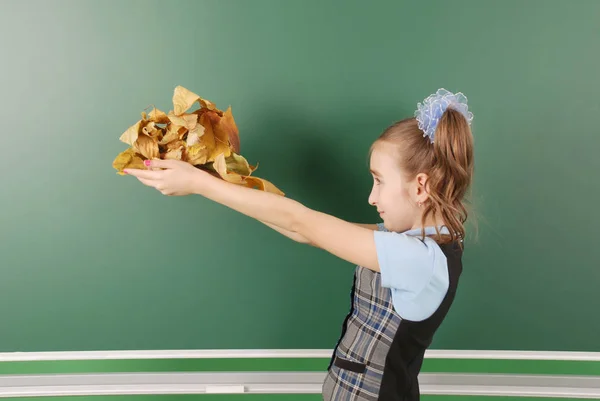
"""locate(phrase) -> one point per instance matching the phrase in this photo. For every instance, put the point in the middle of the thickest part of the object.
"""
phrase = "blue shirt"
(414, 269)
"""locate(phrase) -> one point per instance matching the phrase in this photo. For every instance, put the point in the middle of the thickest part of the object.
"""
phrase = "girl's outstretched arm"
(345, 240)
(291, 235)
(299, 238)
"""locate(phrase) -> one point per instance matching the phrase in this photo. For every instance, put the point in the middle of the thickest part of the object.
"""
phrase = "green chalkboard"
(90, 260)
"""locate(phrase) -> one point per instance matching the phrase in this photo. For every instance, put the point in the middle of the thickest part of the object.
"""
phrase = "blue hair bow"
(429, 112)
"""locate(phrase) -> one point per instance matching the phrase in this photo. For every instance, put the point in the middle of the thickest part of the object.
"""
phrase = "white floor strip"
(203, 378)
(159, 383)
(552, 392)
(283, 353)
(286, 383)
(518, 355)
(164, 354)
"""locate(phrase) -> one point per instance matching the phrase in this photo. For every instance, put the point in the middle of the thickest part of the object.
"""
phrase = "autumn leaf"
(174, 154)
(174, 133)
(146, 146)
(127, 159)
(151, 130)
(183, 99)
(263, 185)
(131, 134)
(146, 127)
(215, 145)
(226, 128)
(196, 154)
(193, 137)
(220, 165)
(189, 121)
(176, 144)
(238, 164)
(196, 133)
(159, 117)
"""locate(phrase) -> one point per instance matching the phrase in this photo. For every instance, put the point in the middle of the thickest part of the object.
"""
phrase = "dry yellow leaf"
(220, 165)
(176, 144)
(174, 154)
(174, 133)
(228, 129)
(152, 130)
(195, 134)
(196, 154)
(131, 134)
(189, 121)
(128, 159)
(146, 146)
(146, 127)
(215, 145)
(183, 99)
(193, 137)
(263, 185)
(238, 164)
(159, 117)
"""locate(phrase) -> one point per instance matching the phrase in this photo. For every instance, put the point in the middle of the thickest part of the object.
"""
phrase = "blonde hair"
(448, 162)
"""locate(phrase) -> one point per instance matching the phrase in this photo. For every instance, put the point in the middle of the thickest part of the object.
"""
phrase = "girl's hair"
(448, 162)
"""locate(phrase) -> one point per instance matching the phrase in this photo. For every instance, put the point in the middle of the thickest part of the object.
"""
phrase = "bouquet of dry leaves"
(207, 138)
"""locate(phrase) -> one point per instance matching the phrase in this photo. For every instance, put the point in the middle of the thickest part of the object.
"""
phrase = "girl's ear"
(422, 181)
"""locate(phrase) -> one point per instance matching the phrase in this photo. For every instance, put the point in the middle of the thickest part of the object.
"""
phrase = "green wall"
(90, 260)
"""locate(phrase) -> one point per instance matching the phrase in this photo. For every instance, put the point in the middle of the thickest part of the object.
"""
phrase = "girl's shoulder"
(440, 236)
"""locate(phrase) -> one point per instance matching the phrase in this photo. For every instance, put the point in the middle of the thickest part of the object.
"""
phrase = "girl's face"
(395, 197)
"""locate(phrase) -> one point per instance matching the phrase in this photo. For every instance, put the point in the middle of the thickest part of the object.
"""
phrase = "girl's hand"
(177, 179)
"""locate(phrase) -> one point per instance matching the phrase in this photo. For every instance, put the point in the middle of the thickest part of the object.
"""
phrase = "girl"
(407, 267)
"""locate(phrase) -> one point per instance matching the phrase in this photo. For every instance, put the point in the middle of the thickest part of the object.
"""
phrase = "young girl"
(407, 267)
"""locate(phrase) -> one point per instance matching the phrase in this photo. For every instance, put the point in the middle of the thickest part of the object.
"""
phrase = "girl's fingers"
(145, 181)
(146, 174)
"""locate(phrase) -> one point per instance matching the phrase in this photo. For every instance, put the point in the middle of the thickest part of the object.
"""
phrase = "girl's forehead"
(384, 163)
(383, 157)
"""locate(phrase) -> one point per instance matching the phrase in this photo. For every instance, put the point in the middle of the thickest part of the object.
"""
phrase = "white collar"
(429, 230)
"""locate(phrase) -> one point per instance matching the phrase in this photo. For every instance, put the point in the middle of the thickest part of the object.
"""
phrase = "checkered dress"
(379, 355)
(367, 336)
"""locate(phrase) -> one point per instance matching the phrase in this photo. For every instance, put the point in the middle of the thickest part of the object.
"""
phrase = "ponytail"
(451, 172)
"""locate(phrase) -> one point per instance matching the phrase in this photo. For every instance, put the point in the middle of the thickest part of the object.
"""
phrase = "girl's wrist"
(203, 182)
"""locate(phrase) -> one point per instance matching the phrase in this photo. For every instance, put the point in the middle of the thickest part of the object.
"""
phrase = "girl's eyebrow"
(374, 172)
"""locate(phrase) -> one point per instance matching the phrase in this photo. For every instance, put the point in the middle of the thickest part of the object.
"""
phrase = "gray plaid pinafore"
(367, 336)
(379, 355)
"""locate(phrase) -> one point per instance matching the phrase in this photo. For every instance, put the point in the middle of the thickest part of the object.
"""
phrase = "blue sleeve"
(415, 271)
